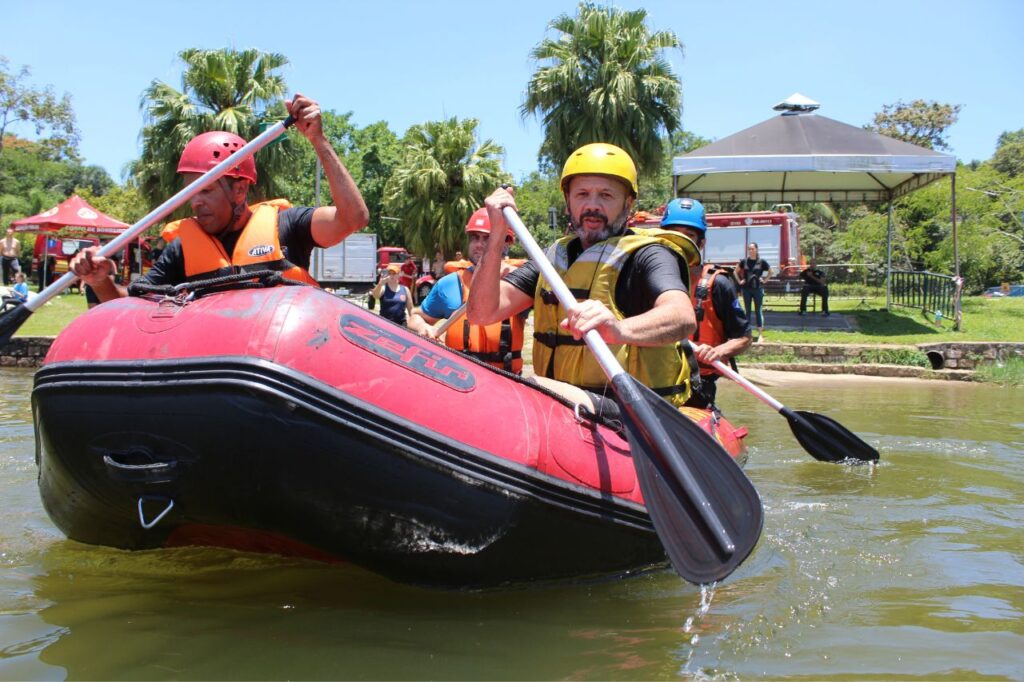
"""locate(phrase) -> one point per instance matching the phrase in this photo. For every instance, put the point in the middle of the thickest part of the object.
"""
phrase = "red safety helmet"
(205, 151)
(480, 222)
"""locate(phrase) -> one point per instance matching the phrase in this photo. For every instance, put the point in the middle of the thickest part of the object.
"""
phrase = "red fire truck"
(776, 233)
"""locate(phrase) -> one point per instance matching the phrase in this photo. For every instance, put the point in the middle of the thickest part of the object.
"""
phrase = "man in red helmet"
(499, 344)
(226, 234)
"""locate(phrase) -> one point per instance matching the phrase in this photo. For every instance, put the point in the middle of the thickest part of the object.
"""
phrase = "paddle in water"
(705, 510)
(822, 437)
(12, 319)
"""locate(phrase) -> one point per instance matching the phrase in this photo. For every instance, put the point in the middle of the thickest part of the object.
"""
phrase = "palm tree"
(443, 177)
(231, 90)
(604, 79)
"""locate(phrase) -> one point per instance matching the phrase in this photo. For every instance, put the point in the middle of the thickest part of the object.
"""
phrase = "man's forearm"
(108, 290)
(666, 322)
(734, 347)
(485, 294)
(351, 211)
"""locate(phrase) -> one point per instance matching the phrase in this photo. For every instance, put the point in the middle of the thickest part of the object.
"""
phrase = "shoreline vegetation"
(984, 319)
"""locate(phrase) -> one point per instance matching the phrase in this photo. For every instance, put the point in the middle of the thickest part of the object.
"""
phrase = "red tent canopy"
(73, 212)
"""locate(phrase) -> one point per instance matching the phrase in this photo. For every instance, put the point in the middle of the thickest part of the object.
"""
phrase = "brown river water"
(910, 569)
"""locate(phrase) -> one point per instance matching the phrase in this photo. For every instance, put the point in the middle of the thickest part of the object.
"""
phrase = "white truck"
(353, 261)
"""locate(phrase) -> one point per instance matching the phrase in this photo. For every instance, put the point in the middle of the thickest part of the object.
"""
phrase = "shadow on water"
(209, 614)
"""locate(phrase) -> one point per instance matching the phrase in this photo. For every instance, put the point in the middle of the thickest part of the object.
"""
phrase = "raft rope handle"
(153, 498)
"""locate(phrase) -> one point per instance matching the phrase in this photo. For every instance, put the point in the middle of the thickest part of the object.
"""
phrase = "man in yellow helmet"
(631, 285)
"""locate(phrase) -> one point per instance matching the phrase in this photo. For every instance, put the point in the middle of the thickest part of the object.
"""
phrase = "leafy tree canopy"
(604, 78)
(31, 181)
(238, 91)
(369, 153)
(52, 117)
(920, 122)
(442, 177)
(1009, 157)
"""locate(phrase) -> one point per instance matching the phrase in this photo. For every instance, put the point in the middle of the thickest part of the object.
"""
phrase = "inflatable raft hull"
(288, 420)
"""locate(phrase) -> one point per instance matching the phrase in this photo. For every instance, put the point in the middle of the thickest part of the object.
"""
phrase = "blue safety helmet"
(685, 213)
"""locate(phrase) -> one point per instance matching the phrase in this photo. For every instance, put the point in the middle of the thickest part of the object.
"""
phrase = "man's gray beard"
(613, 229)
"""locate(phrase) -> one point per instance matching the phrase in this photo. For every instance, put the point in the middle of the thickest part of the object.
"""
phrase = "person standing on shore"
(10, 248)
(395, 298)
(753, 271)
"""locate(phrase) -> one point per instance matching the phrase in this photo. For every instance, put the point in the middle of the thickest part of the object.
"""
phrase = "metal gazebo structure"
(802, 156)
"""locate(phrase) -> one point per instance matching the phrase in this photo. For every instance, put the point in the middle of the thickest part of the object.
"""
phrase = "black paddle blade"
(827, 440)
(11, 320)
(705, 510)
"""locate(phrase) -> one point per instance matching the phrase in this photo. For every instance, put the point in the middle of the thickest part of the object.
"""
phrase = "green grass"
(984, 319)
(1009, 373)
(54, 315)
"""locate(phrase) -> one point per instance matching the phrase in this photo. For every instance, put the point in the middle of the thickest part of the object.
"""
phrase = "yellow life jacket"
(258, 247)
(499, 344)
(594, 275)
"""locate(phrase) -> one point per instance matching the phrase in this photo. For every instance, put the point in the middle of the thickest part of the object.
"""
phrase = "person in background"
(753, 271)
(723, 331)
(19, 292)
(437, 266)
(395, 298)
(227, 235)
(10, 250)
(408, 273)
(815, 282)
(630, 286)
(499, 344)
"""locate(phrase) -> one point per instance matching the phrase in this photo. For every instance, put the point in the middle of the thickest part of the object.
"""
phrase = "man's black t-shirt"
(728, 308)
(649, 272)
(816, 272)
(752, 271)
(294, 227)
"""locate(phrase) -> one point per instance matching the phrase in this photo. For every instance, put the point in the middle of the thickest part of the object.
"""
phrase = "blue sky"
(407, 62)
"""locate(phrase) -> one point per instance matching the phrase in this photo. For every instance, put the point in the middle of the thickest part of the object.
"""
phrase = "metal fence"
(935, 294)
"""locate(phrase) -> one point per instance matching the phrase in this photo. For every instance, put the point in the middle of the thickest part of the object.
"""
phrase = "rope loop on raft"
(187, 291)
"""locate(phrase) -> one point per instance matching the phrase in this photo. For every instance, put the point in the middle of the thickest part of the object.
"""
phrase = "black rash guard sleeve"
(728, 308)
(294, 229)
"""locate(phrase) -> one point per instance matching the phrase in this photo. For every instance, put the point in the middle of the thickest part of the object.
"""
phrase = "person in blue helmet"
(723, 330)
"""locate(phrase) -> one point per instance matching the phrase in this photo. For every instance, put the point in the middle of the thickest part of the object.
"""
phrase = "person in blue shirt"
(19, 292)
(499, 344)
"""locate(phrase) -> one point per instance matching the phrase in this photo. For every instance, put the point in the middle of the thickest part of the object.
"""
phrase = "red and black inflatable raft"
(289, 420)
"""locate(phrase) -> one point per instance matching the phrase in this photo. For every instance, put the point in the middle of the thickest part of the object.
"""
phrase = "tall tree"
(918, 122)
(604, 78)
(542, 207)
(39, 107)
(443, 177)
(1009, 156)
(369, 153)
(236, 91)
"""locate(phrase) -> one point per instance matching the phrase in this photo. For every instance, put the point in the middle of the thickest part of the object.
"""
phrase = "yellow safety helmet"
(601, 158)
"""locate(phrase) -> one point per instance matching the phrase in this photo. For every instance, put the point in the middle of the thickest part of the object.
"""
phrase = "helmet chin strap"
(237, 208)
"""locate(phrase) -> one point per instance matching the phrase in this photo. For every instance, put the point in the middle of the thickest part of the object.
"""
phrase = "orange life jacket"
(456, 265)
(258, 247)
(499, 344)
(710, 328)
